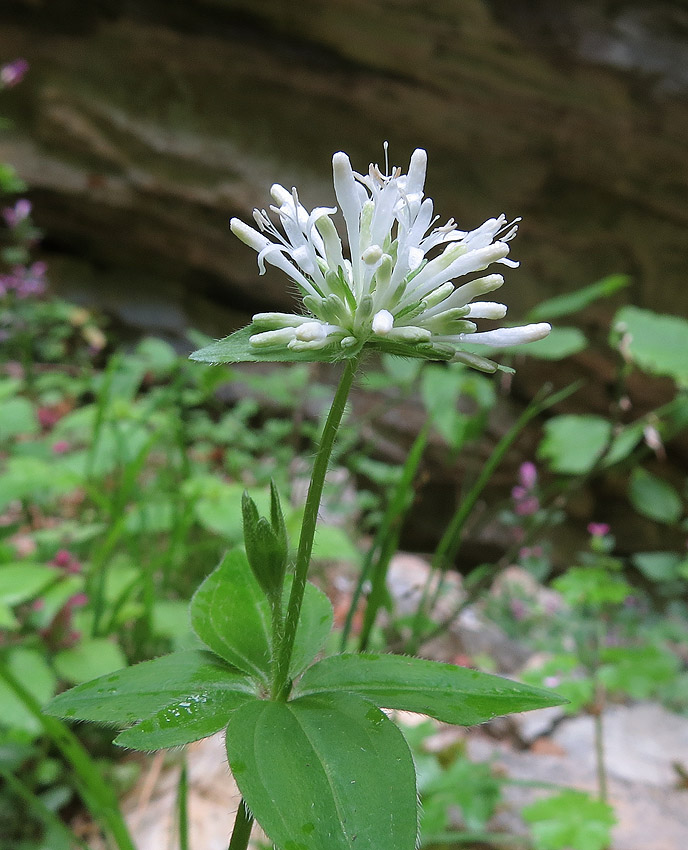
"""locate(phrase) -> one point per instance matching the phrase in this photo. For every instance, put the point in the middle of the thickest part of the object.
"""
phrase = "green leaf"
(658, 566)
(325, 773)
(88, 660)
(559, 343)
(138, 692)
(31, 668)
(231, 615)
(623, 443)
(573, 443)
(7, 619)
(237, 349)
(315, 625)
(656, 343)
(653, 497)
(18, 418)
(594, 586)
(572, 302)
(183, 721)
(639, 671)
(571, 820)
(217, 506)
(22, 581)
(445, 691)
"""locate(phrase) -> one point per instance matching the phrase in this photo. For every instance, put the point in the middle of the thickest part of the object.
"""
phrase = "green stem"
(243, 825)
(377, 559)
(95, 791)
(449, 545)
(310, 518)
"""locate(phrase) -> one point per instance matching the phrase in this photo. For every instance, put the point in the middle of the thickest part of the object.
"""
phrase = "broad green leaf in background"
(217, 505)
(573, 443)
(595, 586)
(471, 786)
(88, 660)
(656, 343)
(572, 820)
(138, 692)
(623, 443)
(639, 671)
(7, 619)
(653, 497)
(24, 580)
(157, 356)
(572, 302)
(31, 668)
(325, 773)
(445, 691)
(658, 566)
(30, 477)
(18, 418)
(231, 614)
(331, 543)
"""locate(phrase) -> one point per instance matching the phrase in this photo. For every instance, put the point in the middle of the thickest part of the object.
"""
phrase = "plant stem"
(243, 825)
(449, 545)
(310, 518)
(95, 791)
(599, 753)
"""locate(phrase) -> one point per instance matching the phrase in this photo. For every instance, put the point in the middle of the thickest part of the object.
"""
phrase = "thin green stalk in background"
(385, 545)
(96, 793)
(450, 543)
(33, 801)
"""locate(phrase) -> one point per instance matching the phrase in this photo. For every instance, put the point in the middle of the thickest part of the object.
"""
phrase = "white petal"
(502, 337)
(248, 235)
(310, 331)
(486, 310)
(383, 322)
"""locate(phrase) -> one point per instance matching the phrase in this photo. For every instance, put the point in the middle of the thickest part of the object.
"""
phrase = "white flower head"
(396, 290)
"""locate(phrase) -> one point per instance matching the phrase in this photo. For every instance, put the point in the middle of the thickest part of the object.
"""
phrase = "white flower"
(395, 291)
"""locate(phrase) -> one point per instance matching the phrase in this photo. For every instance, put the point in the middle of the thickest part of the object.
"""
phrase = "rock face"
(143, 126)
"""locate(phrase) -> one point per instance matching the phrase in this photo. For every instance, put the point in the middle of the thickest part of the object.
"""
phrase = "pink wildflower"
(61, 447)
(598, 529)
(527, 474)
(18, 213)
(13, 73)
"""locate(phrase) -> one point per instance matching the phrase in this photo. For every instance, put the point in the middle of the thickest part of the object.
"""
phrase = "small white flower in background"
(395, 292)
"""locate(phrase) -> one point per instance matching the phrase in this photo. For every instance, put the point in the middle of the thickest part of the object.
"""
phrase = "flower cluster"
(25, 282)
(395, 291)
(17, 214)
(524, 494)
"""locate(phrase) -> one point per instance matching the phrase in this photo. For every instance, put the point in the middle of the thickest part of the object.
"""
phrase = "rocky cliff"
(144, 125)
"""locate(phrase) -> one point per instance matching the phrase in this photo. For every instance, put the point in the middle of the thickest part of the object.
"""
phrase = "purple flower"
(13, 73)
(18, 213)
(527, 475)
(24, 281)
(598, 529)
(528, 506)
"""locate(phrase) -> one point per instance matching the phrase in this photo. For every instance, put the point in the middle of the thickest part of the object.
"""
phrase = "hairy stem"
(243, 825)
